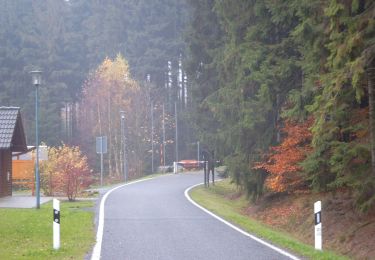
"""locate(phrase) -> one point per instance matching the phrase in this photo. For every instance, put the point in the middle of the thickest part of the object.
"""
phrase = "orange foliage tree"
(66, 171)
(282, 163)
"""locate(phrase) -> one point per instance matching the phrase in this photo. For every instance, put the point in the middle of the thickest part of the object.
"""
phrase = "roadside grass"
(27, 233)
(217, 199)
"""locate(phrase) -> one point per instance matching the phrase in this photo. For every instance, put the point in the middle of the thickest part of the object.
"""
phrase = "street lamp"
(152, 136)
(198, 153)
(123, 139)
(36, 81)
(163, 135)
(176, 122)
(148, 80)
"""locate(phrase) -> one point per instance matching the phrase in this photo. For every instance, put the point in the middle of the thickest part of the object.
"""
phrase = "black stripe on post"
(318, 217)
(56, 216)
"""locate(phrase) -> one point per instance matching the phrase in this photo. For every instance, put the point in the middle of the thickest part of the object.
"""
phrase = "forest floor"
(345, 230)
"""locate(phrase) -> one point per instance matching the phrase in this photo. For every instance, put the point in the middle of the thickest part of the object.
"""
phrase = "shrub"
(66, 171)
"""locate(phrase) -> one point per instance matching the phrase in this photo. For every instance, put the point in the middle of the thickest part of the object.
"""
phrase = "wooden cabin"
(12, 139)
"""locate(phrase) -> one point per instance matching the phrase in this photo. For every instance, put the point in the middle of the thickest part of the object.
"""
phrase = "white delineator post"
(56, 224)
(174, 167)
(318, 225)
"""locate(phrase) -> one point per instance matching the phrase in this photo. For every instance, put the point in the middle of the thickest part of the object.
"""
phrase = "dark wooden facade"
(5, 173)
(12, 139)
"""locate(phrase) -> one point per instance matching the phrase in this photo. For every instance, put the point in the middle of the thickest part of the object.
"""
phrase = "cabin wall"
(5, 173)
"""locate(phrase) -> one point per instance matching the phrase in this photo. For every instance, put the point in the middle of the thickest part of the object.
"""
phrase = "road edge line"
(281, 251)
(96, 252)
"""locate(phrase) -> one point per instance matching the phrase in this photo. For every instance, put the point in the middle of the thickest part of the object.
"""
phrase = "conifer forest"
(283, 92)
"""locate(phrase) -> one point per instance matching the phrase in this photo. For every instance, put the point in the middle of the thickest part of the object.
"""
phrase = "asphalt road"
(154, 220)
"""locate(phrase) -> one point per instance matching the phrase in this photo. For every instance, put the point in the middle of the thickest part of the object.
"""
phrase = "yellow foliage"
(116, 74)
(109, 90)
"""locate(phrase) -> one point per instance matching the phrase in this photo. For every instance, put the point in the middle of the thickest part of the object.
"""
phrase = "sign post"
(56, 224)
(101, 148)
(318, 224)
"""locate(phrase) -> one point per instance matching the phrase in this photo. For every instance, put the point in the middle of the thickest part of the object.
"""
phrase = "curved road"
(153, 220)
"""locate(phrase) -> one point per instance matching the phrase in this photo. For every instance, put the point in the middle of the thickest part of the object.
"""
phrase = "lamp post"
(36, 80)
(148, 80)
(152, 136)
(123, 138)
(163, 135)
(198, 154)
(176, 122)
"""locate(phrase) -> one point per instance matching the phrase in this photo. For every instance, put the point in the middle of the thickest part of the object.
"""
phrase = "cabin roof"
(12, 135)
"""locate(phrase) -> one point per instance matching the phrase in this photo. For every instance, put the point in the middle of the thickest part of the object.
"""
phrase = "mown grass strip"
(215, 199)
(27, 233)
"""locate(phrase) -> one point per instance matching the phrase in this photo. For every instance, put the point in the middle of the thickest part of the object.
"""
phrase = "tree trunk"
(371, 97)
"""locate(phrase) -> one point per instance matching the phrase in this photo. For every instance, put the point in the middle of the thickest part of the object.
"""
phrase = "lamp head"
(36, 76)
(122, 113)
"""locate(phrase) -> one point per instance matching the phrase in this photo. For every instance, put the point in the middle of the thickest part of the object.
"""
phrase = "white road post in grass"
(318, 225)
(56, 224)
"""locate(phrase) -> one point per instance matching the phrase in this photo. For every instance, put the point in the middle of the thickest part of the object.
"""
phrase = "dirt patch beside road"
(344, 229)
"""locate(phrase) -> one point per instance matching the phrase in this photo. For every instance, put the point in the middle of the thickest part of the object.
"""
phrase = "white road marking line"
(236, 228)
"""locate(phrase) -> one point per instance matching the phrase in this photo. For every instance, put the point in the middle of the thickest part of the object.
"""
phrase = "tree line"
(70, 41)
(283, 91)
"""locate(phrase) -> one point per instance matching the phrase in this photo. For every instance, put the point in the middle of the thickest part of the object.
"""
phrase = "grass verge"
(216, 200)
(27, 233)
